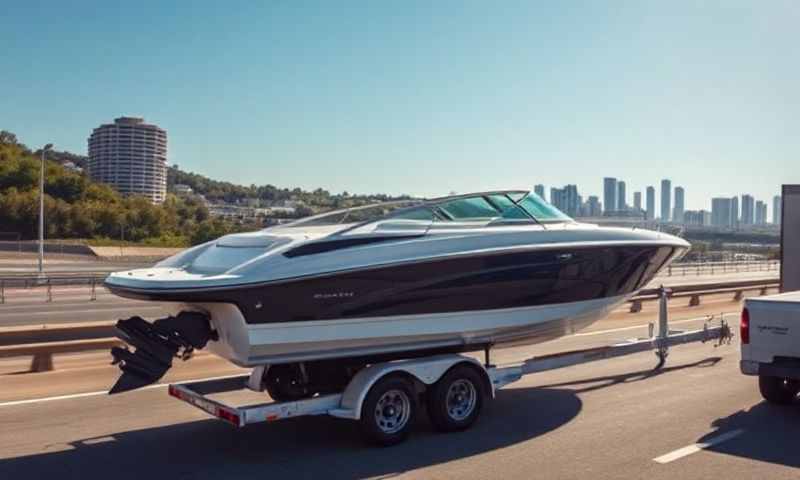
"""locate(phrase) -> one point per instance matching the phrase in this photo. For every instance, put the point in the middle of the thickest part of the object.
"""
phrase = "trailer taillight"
(744, 327)
(228, 416)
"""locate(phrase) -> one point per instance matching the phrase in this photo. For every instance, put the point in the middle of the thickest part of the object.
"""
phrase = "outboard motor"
(156, 344)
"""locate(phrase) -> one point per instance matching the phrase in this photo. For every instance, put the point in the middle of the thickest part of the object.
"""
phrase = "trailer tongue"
(156, 344)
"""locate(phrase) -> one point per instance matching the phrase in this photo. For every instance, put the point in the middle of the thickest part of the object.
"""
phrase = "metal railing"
(699, 268)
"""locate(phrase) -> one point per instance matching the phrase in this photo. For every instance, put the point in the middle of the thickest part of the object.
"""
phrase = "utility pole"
(41, 211)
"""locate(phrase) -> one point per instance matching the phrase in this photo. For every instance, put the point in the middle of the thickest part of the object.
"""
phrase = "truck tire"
(777, 390)
(388, 411)
(454, 402)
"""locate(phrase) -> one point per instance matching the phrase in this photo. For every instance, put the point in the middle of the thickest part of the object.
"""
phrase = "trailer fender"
(427, 370)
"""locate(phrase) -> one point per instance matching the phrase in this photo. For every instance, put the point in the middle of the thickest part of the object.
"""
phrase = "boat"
(336, 291)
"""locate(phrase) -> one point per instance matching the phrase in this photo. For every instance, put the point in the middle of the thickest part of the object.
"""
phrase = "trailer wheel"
(388, 411)
(455, 401)
(777, 390)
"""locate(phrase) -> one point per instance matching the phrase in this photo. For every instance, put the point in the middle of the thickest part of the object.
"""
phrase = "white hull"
(251, 345)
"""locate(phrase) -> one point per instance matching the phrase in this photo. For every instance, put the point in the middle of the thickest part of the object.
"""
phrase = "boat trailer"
(382, 396)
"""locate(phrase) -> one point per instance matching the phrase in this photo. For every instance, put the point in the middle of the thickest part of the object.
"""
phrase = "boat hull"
(397, 335)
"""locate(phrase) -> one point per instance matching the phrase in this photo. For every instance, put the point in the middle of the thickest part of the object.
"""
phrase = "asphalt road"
(605, 420)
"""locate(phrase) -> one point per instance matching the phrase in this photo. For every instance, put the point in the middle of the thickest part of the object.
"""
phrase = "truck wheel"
(388, 411)
(455, 401)
(777, 389)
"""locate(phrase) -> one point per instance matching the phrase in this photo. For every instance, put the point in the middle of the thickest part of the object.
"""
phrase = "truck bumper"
(749, 367)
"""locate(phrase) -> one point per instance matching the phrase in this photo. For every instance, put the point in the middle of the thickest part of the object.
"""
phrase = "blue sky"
(423, 97)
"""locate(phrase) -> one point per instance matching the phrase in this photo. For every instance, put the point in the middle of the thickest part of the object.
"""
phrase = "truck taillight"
(744, 327)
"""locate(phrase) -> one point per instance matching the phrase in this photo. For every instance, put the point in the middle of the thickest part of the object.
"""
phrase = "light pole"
(41, 210)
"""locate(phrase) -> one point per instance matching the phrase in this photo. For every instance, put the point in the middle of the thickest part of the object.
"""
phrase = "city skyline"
(413, 99)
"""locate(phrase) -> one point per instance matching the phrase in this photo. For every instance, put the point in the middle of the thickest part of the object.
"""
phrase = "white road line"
(634, 327)
(58, 305)
(105, 392)
(88, 311)
(694, 448)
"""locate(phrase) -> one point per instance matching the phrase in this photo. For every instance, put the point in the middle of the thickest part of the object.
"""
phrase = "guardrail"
(45, 341)
(49, 281)
(698, 268)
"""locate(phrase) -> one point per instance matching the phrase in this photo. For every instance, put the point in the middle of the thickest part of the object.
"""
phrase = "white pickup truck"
(770, 336)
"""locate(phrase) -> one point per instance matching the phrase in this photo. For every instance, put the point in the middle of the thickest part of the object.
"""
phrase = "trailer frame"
(425, 372)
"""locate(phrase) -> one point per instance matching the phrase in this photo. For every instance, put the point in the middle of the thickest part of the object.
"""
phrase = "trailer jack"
(156, 344)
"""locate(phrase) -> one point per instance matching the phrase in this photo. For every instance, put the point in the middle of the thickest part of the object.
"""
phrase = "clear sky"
(423, 97)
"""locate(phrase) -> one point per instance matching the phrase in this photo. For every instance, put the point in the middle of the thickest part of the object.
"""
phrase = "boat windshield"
(408, 216)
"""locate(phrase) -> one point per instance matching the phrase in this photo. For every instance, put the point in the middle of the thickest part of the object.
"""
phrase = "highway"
(606, 420)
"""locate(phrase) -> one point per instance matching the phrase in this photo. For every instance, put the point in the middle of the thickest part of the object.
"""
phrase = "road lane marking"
(88, 303)
(105, 392)
(634, 327)
(694, 448)
(87, 311)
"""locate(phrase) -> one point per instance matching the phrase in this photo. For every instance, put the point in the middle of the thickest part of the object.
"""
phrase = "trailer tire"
(388, 411)
(455, 401)
(777, 390)
(283, 384)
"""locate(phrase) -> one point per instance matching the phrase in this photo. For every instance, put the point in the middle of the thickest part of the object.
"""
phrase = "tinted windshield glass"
(541, 210)
(509, 209)
(469, 208)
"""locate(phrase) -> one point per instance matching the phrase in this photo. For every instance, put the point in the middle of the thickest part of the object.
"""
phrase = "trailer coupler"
(155, 346)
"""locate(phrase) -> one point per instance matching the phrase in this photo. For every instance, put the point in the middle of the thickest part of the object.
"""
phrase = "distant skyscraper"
(637, 200)
(131, 156)
(593, 206)
(566, 199)
(748, 210)
(735, 212)
(776, 209)
(651, 203)
(609, 194)
(666, 194)
(539, 190)
(677, 213)
(761, 213)
(622, 197)
(721, 212)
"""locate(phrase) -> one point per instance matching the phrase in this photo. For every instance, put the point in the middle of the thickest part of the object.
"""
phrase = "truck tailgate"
(774, 327)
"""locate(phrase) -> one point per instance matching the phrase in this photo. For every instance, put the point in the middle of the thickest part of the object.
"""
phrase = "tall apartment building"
(539, 190)
(735, 212)
(637, 200)
(666, 204)
(131, 156)
(677, 214)
(651, 203)
(622, 197)
(776, 209)
(566, 199)
(609, 194)
(761, 212)
(593, 206)
(748, 210)
(721, 212)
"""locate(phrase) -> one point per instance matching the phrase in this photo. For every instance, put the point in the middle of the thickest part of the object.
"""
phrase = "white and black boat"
(393, 280)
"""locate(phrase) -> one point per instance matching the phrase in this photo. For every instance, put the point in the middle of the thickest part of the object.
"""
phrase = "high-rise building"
(666, 194)
(678, 213)
(593, 206)
(539, 190)
(721, 212)
(776, 209)
(131, 156)
(761, 213)
(637, 201)
(735, 212)
(609, 194)
(566, 199)
(622, 200)
(748, 210)
(651, 203)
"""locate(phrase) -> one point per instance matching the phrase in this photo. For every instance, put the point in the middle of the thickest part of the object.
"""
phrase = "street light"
(41, 209)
